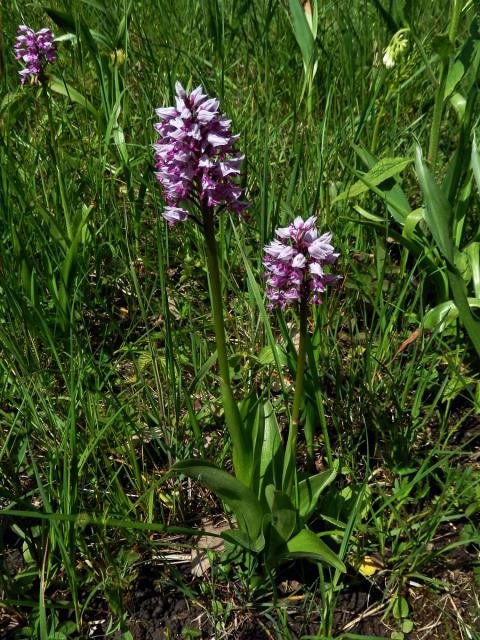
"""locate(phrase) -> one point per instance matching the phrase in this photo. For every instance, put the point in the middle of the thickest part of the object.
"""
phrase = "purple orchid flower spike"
(295, 264)
(35, 49)
(196, 159)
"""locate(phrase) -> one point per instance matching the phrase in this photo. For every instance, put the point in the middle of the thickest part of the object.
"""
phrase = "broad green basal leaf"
(271, 458)
(444, 314)
(238, 538)
(242, 501)
(308, 545)
(284, 516)
(310, 489)
(438, 212)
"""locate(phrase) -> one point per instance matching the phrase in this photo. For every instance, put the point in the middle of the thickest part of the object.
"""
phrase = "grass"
(106, 338)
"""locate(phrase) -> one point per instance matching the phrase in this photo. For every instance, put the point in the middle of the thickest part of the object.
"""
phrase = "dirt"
(153, 614)
(157, 611)
(164, 602)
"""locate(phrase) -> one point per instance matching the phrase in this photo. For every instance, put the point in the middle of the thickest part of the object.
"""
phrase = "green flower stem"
(289, 471)
(53, 147)
(440, 94)
(232, 414)
(437, 115)
(377, 86)
(382, 110)
(456, 11)
(321, 410)
(301, 357)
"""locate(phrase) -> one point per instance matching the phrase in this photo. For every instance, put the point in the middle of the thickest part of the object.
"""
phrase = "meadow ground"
(360, 112)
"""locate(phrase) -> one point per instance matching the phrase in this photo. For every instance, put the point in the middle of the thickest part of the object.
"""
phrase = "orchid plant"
(197, 164)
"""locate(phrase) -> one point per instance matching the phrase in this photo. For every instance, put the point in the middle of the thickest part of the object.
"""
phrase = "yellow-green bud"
(117, 57)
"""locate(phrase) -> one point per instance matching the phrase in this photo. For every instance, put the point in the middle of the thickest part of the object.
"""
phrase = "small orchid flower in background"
(395, 49)
(295, 264)
(196, 159)
(392, 55)
(35, 49)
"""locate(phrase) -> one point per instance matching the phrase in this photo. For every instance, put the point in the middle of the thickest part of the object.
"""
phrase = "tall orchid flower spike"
(197, 165)
(195, 156)
(297, 266)
(35, 49)
(295, 262)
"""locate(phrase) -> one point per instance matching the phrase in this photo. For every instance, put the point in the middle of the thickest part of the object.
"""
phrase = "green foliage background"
(106, 373)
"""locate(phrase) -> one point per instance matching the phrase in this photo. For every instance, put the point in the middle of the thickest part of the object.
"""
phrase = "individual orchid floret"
(195, 158)
(35, 49)
(295, 263)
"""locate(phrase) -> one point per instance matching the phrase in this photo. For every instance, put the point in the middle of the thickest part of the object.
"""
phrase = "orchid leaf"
(242, 501)
(241, 539)
(380, 172)
(438, 212)
(62, 19)
(310, 489)
(469, 320)
(302, 32)
(283, 521)
(284, 516)
(476, 163)
(438, 216)
(455, 74)
(445, 314)
(271, 456)
(459, 103)
(308, 545)
(411, 222)
(395, 199)
(253, 424)
(473, 253)
(64, 89)
(266, 355)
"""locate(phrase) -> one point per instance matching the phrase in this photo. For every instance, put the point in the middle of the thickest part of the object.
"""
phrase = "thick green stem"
(54, 149)
(321, 411)
(302, 350)
(377, 85)
(437, 116)
(232, 414)
(455, 19)
(440, 95)
(289, 470)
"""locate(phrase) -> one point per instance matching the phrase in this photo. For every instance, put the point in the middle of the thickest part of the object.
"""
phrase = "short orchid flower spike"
(395, 49)
(295, 264)
(196, 160)
(35, 49)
